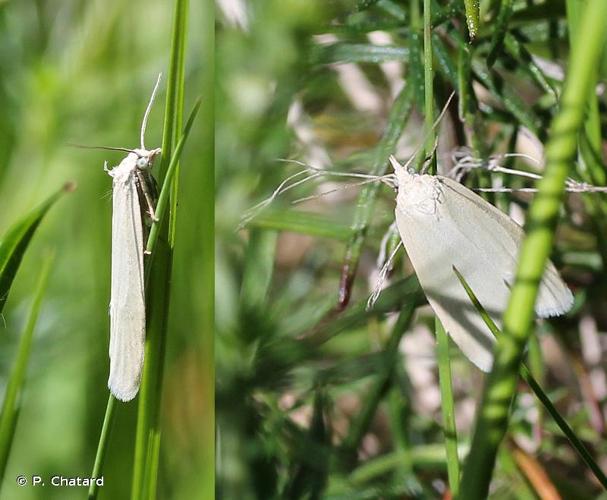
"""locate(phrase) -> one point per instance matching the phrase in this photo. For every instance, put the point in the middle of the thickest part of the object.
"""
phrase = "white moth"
(443, 225)
(130, 188)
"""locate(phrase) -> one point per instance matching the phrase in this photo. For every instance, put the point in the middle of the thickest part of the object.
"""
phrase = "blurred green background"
(317, 403)
(77, 72)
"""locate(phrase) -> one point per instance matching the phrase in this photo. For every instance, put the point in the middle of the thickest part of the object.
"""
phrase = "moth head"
(145, 158)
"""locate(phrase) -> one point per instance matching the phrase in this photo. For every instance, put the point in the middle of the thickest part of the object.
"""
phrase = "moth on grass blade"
(134, 195)
(443, 224)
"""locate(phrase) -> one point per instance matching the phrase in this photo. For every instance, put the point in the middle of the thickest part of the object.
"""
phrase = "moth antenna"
(109, 148)
(379, 284)
(465, 161)
(282, 187)
(407, 165)
(378, 178)
(314, 173)
(522, 155)
(144, 122)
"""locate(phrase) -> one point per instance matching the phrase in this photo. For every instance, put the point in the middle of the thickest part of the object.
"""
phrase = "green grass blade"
(16, 381)
(360, 425)
(148, 417)
(102, 446)
(397, 120)
(500, 30)
(259, 266)
(163, 198)
(448, 407)
(16, 240)
(298, 221)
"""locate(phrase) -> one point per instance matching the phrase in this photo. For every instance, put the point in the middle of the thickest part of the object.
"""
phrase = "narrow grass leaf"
(16, 381)
(102, 447)
(397, 120)
(163, 198)
(298, 221)
(359, 425)
(16, 240)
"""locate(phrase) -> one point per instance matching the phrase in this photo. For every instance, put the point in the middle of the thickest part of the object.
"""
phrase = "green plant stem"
(447, 406)
(428, 82)
(472, 17)
(492, 421)
(102, 446)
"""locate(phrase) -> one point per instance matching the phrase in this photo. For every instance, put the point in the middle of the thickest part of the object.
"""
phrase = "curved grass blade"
(16, 381)
(16, 240)
(163, 198)
(360, 424)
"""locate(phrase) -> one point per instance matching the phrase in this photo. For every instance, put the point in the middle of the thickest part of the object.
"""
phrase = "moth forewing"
(127, 302)
(132, 198)
(444, 225)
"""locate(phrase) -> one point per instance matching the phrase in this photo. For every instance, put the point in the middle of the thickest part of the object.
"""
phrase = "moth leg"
(147, 195)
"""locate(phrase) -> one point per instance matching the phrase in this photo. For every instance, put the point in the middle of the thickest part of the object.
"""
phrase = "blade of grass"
(499, 31)
(444, 365)
(298, 221)
(16, 240)
(163, 198)
(447, 407)
(102, 447)
(259, 267)
(147, 440)
(16, 381)
(399, 115)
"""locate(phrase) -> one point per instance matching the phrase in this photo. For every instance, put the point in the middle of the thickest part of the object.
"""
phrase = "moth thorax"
(419, 194)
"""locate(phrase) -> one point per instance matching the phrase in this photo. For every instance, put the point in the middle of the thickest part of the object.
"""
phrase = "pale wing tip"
(560, 306)
(123, 391)
(394, 163)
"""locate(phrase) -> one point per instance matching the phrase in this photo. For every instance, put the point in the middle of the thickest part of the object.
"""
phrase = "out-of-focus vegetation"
(82, 73)
(315, 396)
